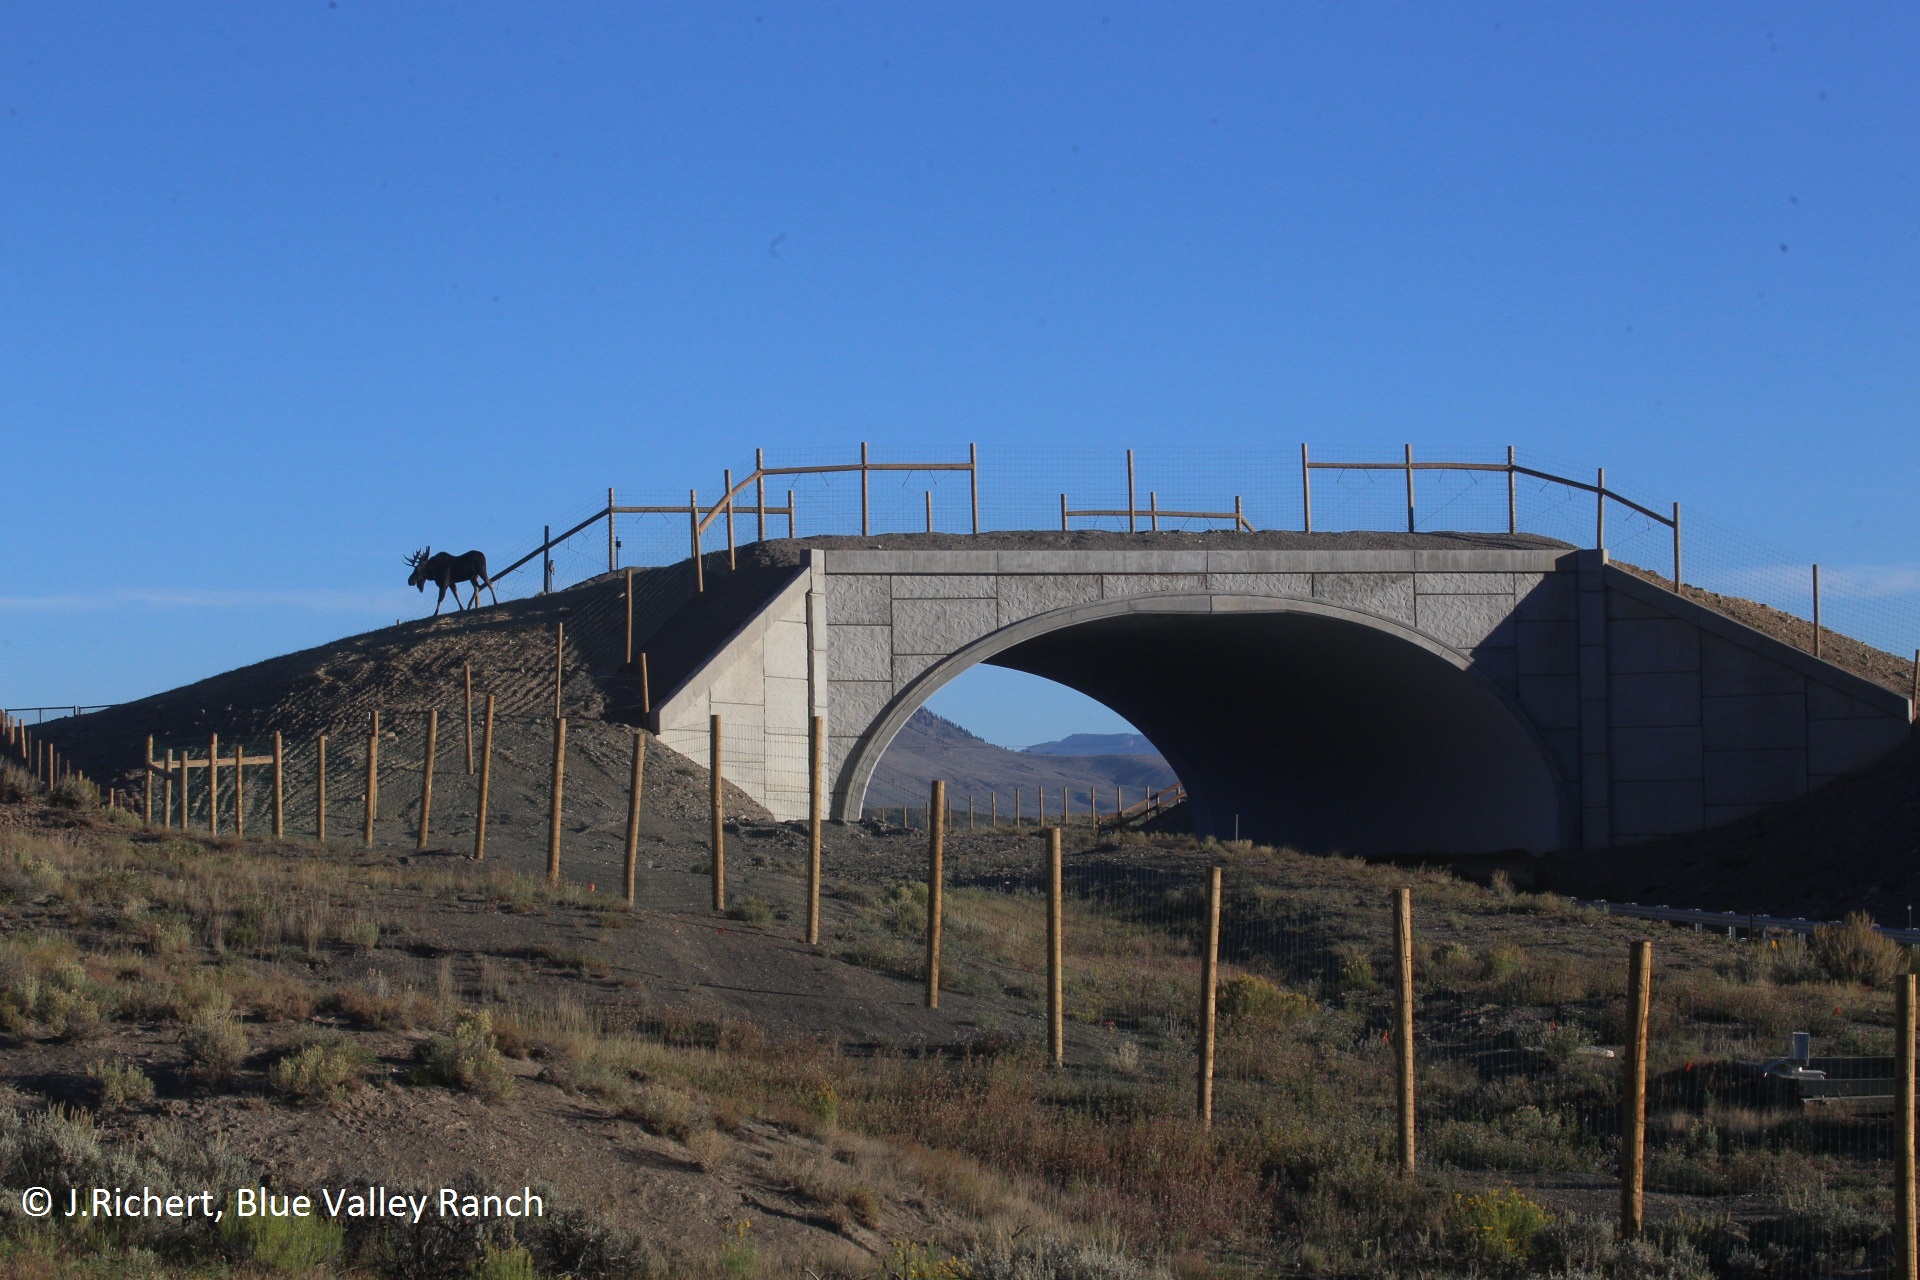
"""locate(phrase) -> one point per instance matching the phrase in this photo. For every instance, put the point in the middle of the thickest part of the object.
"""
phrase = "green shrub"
(1854, 951)
(361, 932)
(750, 911)
(1356, 972)
(466, 1059)
(122, 1084)
(1253, 1004)
(324, 1071)
(666, 1112)
(70, 793)
(1500, 1226)
(215, 1044)
(288, 1244)
(506, 1264)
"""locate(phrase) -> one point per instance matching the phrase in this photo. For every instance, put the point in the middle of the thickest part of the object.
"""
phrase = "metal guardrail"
(70, 709)
(1735, 923)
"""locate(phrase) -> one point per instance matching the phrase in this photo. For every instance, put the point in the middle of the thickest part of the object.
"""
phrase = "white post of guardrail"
(1816, 611)
(929, 511)
(759, 495)
(1132, 527)
(1409, 488)
(613, 544)
(1063, 513)
(693, 525)
(1600, 509)
(863, 488)
(1306, 491)
(1513, 496)
(1676, 547)
(790, 516)
(973, 481)
(546, 558)
(727, 479)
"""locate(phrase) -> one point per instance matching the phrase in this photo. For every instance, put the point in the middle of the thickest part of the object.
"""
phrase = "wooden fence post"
(559, 663)
(1056, 980)
(629, 595)
(213, 785)
(279, 787)
(816, 752)
(719, 816)
(148, 770)
(185, 809)
(646, 690)
(1209, 990)
(936, 874)
(1633, 1100)
(373, 778)
(633, 809)
(486, 776)
(553, 807)
(166, 780)
(426, 776)
(1403, 1017)
(466, 675)
(693, 521)
(320, 787)
(1907, 1246)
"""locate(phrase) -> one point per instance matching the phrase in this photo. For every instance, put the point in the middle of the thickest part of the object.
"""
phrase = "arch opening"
(1307, 725)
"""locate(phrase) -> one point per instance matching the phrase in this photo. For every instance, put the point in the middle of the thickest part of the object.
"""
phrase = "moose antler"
(413, 561)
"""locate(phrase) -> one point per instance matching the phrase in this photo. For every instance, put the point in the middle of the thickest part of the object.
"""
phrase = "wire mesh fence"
(1346, 488)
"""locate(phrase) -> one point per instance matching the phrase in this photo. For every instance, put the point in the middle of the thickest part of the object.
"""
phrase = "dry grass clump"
(215, 1043)
(1854, 951)
(465, 1058)
(121, 1083)
(324, 1070)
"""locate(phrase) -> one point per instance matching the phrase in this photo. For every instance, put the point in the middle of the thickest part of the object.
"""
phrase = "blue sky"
(287, 290)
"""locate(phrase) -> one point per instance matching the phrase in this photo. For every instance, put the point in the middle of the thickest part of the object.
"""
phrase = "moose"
(447, 571)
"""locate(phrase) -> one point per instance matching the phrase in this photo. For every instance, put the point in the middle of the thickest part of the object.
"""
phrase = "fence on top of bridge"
(1325, 487)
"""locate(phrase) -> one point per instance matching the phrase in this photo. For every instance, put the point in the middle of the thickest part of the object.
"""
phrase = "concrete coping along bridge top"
(1362, 692)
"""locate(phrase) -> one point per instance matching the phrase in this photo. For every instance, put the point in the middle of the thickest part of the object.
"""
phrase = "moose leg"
(442, 600)
(490, 591)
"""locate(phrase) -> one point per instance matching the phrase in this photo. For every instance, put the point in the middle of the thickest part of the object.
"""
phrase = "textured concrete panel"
(1726, 669)
(1465, 622)
(1463, 584)
(1115, 585)
(941, 626)
(1766, 721)
(1621, 605)
(1827, 703)
(1593, 671)
(1755, 777)
(860, 653)
(858, 598)
(1547, 648)
(1564, 744)
(1666, 644)
(943, 586)
(1595, 782)
(1655, 755)
(744, 679)
(1656, 808)
(1502, 666)
(786, 702)
(857, 704)
(1544, 597)
(907, 666)
(1593, 612)
(1389, 595)
(786, 644)
(1655, 698)
(1023, 596)
(1552, 701)
(1261, 584)
(1841, 746)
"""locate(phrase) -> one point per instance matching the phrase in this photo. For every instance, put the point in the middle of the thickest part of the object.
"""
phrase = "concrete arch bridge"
(1368, 693)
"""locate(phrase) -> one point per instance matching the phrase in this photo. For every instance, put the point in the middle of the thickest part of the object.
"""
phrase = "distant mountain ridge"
(930, 747)
(1095, 744)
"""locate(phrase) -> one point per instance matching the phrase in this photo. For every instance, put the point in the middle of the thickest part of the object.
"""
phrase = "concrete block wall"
(765, 684)
(1660, 716)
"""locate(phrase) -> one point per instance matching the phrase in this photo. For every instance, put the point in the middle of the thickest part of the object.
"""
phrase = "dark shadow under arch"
(1318, 727)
